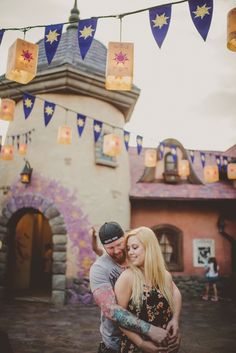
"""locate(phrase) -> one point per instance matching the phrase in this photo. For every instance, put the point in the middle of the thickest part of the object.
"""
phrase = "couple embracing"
(140, 304)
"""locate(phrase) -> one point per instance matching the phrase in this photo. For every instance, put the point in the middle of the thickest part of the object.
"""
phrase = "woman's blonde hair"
(154, 273)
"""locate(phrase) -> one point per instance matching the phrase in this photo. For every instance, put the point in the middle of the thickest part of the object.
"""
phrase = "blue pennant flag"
(52, 38)
(161, 148)
(18, 141)
(192, 156)
(201, 12)
(126, 139)
(81, 119)
(160, 20)
(139, 140)
(218, 162)
(48, 111)
(225, 163)
(97, 129)
(86, 32)
(1, 35)
(203, 158)
(28, 104)
(173, 152)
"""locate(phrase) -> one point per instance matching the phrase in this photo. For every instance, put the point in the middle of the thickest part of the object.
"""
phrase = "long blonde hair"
(154, 267)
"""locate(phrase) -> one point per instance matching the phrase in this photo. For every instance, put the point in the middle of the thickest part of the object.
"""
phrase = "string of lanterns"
(20, 141)
(23, 55)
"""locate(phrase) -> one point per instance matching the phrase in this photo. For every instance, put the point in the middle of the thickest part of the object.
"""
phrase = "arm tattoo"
(105, 298)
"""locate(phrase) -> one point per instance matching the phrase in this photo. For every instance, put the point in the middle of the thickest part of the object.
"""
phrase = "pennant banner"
(174, 152)
(49, 109)
(52, 38)
(86, 32)
(81, 119)
(160, 20)
(1, 35)
(126, 139)
(203, 158)
(192, 156)
(201, 12)
(97, 129)
(28, 104)
(162, 147)
(139, 140)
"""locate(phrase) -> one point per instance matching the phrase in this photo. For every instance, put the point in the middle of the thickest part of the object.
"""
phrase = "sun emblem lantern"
(150, 159)
(211, 173)
(183, 168)
(7, 152)
(111, 145)
(231, 30)
(7, 109)
(22, 61)
(22, 149)
(231, 171)
(119, 66)
(64, 135)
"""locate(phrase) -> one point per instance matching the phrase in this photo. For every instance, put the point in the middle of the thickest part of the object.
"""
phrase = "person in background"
(212, 275)
(103, 275)
(145, 288)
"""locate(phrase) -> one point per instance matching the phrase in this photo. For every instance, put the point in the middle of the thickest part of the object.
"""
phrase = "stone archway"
(59, 238)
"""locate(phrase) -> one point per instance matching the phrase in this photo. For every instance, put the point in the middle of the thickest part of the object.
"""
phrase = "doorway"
(30, 254)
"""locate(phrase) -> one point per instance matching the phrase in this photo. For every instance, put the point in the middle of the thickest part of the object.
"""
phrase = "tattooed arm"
(104, 297)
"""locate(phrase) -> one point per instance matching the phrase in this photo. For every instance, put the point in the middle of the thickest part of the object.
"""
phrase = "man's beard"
(120, 259)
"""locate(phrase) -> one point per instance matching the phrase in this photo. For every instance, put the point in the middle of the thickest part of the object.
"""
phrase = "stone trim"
(59, 239)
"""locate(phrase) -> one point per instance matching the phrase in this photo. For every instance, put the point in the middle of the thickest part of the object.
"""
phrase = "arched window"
(170, 163)
(170, 240)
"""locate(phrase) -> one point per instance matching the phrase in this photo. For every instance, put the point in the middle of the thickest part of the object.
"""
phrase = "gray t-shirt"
(106, 271)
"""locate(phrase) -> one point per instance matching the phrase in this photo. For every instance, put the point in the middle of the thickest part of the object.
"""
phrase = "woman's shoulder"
(127, 275)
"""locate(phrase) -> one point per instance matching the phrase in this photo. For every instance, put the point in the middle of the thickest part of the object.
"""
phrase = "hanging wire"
(97, 17)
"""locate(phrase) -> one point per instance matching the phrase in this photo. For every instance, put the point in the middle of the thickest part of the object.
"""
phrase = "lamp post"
(25, 175)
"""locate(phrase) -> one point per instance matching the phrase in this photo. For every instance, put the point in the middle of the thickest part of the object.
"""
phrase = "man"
(103, 275)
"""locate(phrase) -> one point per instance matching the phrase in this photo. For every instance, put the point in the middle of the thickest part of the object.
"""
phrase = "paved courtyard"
(206, 327)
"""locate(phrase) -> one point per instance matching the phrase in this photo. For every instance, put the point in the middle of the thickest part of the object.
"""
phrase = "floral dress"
(155, 310)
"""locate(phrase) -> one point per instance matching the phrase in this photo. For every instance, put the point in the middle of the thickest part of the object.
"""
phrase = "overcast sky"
(188, 88)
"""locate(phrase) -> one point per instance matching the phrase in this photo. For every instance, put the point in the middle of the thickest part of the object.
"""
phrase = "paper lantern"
(22, 61)
(22, 149)
(7, 152)
(211, 173)
(7, 109)
(183, 168)
(150, 159)
(231, 30)
(119, 66)
(231, 171)
(111, 145)
(64, 135)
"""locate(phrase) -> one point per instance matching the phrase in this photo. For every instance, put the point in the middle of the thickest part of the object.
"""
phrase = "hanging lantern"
(211, 173)
(231, 30)
(7, 152)
(183, 168)
(25, 175)
(64, 135)
(119, 67)
(150, 159)
(7, 109)
(22, 61)
(22, 149)
(111, 145)
(231, 171)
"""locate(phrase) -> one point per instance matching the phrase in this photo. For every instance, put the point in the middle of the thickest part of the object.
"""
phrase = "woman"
(145, 288)
(212, 276)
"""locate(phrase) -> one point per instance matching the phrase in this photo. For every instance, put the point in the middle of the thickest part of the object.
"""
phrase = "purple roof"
(222, 190)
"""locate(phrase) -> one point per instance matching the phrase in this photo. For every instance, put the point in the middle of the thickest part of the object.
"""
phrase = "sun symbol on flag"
(97, 128)
(202, 11)
(27, 56)
(28, 103)
(49, 110)
(80, 122)
(120, 58)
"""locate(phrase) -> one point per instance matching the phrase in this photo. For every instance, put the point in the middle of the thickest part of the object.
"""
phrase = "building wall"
(100, 192)
(196, 220)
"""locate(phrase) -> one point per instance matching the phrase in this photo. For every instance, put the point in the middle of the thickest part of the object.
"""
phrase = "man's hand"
(150, 347)
(174, 344)
(173, 327)
(158, 335)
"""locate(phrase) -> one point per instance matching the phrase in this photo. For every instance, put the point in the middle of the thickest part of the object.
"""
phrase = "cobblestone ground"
(206, 327)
